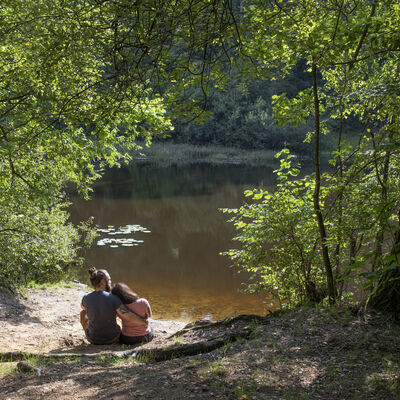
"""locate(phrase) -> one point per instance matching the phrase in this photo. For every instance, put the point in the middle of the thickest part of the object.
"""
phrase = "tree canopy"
(63, 116)
(81, 81)
(340, 221)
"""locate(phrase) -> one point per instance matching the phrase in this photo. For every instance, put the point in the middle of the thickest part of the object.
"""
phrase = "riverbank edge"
(184, 154)
(308, 353)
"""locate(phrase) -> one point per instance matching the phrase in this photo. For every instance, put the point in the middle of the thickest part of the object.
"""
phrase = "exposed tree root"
(190, 349)
(204, 324)
(160, 354)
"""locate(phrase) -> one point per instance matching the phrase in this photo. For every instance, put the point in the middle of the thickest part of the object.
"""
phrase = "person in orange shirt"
(133, 332)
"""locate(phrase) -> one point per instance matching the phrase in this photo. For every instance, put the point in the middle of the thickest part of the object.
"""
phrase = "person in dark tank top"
(100, 309)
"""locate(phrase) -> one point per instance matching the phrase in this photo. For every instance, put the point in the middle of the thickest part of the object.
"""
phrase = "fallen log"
(189, 349)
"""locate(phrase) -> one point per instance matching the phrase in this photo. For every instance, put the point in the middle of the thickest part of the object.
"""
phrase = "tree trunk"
(317, 208)
(386, 295)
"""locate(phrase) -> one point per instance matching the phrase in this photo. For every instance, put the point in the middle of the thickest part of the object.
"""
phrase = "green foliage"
(64, 115)
(279, 237)
(353, 55)
(244, 118)
(37, 243)
(80, 81)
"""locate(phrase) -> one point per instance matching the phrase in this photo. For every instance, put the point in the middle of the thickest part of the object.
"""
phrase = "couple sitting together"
(101, 308)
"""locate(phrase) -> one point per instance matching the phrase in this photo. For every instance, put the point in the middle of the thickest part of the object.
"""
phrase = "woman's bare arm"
(148, 312)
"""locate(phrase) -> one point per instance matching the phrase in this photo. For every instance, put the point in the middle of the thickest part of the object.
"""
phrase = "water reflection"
(176, 263)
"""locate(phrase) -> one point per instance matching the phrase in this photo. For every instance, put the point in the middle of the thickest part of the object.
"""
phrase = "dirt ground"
(47, 321)
(306, 354)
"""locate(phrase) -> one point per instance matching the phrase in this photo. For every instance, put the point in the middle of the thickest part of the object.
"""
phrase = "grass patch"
(296, 394)
(215, 374)
(178, 339)
(8, 369)
(145, 357)
(354, 355)
(50, 285)
(114, 361)
(217, 368)
(170, 153)
(383, 383)
(33, 360)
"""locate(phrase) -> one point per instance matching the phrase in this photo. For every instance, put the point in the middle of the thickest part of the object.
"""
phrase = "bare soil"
(333, 353)
(47, 321)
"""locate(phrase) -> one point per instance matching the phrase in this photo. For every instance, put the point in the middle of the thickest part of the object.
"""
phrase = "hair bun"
(92, 272)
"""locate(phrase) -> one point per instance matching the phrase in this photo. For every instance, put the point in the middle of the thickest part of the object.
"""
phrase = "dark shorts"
(137, 339)
(113, 340)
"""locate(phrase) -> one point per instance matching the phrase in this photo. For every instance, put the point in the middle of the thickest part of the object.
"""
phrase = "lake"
(162, 234)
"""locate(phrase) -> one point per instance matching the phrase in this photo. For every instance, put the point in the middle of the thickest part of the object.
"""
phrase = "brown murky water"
(162, 234)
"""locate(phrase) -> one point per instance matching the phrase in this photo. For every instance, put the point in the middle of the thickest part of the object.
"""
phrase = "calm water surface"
(161, 233)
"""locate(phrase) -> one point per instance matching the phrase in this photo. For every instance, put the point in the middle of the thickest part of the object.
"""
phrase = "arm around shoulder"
(124, 313)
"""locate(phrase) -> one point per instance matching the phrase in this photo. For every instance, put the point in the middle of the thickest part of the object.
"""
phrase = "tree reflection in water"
(174, 259)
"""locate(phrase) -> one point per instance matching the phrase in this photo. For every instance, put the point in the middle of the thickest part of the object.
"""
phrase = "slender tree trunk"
(316, 196)
(383, 219)
(336, 257)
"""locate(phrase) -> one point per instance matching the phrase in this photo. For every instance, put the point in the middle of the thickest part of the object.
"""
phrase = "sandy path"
(47, 321)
